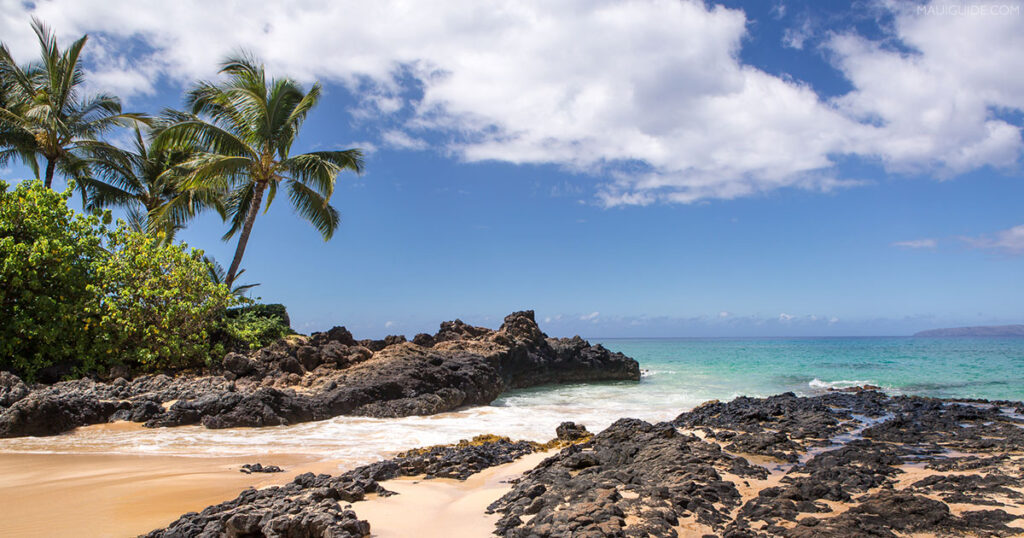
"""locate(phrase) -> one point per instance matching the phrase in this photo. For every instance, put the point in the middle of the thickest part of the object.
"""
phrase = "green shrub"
(47, 265)
(262, 310)
(76, 296)
(158, 305)
(248, 328)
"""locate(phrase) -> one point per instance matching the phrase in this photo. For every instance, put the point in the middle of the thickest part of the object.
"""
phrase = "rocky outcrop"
(849, 464)
(841, 464)
(321, 376)
(12, 389)
(316, 505)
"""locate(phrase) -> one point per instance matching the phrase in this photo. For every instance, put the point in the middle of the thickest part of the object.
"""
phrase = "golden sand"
(58, 495)
(442, 508)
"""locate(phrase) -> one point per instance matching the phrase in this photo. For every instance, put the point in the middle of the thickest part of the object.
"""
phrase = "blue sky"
(655, 168)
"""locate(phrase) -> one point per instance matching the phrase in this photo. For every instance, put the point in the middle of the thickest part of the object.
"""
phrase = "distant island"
(986, 330)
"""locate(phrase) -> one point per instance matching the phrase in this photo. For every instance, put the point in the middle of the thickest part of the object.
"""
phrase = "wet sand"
(442, 508)
(117, 495)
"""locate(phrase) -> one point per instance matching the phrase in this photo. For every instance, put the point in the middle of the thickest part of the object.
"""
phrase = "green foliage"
(247, 328)
(77, 296)
(277, 310)
(44, 113)
(47, 265)
(158, 306)
(245, 128)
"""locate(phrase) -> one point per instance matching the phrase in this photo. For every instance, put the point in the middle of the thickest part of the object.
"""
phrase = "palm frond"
(314, 208)
(207, 136)
(238, 207)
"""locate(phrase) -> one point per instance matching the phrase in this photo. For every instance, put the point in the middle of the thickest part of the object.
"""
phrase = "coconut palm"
(43, 113)
(146, 181)
(218, 275)
(246, 126)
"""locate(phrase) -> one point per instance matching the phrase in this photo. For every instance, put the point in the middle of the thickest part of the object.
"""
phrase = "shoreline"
(124, 495)
(841, 462)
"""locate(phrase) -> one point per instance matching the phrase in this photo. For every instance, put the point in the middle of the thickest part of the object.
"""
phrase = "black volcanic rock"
(839, 466)
(328, 374)
(311, 505)
(12, 389)
(637, 479)
(250, 468)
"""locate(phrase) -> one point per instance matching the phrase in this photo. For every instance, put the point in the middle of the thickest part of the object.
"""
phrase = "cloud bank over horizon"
(652, 99)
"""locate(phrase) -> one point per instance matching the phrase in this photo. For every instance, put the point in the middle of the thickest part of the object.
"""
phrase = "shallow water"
(678, 374)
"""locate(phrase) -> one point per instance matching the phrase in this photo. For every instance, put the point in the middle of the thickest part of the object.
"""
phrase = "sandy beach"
(117, 495)
(441, 507)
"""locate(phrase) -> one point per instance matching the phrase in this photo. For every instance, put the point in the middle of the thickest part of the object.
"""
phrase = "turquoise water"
(990, 368)
(678, 375)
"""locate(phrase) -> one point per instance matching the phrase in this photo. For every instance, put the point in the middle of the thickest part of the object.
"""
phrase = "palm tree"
(215, 271)
(146, 181)
(44, 115)
(246, 126)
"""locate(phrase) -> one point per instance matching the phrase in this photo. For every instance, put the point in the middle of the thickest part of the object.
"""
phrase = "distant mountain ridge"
(985, 330)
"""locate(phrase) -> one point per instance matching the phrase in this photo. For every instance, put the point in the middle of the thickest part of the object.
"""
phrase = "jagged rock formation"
(849, 464)
(315, 505)
(841, 464)
(322, 376)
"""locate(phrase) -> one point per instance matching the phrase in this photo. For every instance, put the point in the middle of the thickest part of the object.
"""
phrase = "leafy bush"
(262, 310)
(77, 296)
(47, 255)
(158, 305)
(249, 328)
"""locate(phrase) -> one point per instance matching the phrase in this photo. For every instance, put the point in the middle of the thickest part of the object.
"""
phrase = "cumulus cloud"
(401, 140)
(389, 324)
(934, 100)
(649, 97)
(784, 317)
(917, 243)
(1009, 241)
(589, 317)
(795, 37)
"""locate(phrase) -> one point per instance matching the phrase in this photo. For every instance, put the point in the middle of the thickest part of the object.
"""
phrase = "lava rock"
(250, 468)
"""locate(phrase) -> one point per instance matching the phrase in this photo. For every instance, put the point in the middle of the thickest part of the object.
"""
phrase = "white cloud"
(795, 37)
(917, 243)
(589, 317)
(650, 96)
(784, 317)
(401, 140)
(724, 314)
(934, 104)
(389, 324)
(1009, 241)
(368, 148)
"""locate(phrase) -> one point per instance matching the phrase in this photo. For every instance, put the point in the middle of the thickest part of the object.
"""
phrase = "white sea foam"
(841, 384)
(530, 414)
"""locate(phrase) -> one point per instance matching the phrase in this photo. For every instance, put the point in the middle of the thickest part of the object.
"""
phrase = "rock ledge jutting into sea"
(327, 374)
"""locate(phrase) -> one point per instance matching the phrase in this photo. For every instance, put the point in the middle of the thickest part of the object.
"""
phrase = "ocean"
(678, 374)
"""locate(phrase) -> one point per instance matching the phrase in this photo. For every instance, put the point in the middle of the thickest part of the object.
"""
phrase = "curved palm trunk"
(51, 164)
(243, 239)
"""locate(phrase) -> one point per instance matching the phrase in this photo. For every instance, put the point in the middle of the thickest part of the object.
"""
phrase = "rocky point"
(327, 374)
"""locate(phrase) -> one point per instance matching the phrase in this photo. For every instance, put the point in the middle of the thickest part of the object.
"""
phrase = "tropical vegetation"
(79, 294)
(44, 115)
(246, 127)
(47, 267)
